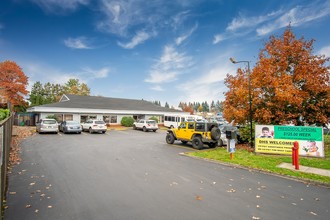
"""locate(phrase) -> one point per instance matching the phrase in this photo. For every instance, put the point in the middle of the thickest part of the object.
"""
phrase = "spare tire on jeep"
(215, 133)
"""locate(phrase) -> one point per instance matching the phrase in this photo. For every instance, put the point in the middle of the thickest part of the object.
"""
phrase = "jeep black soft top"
(198, 133)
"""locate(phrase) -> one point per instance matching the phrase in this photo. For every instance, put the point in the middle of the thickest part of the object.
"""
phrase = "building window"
(113, 119)
(68, 117)
(83, 118)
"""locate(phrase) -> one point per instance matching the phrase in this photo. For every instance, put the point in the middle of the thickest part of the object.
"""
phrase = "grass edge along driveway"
(268, 163)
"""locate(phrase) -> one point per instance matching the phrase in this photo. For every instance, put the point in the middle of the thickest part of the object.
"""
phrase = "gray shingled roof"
(97, 102)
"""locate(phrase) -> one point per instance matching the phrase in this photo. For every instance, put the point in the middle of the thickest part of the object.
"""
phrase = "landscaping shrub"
(4, 113)
(51, 117)
(154, 118)
(127, 121)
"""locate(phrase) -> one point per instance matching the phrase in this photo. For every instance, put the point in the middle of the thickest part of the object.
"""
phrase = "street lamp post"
(250, 98)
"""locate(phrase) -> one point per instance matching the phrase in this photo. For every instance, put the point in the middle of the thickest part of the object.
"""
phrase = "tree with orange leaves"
(13, 83)
(289, 85)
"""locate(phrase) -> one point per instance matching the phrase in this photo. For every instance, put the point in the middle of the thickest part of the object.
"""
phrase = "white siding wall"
(76, 117)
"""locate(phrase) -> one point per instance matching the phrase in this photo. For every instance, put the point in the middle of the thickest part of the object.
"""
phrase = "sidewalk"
(305, 169)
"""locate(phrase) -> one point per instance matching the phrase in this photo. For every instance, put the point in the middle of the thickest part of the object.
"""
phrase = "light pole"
(250, 98)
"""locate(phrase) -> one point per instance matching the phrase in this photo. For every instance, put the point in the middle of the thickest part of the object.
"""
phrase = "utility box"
(231, 135)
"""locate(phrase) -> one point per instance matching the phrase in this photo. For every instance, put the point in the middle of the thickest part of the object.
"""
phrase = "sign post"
(231, 138)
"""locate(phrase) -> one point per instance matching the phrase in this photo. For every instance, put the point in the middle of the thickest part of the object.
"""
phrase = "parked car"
(146, 125)
(94, 126)
(70, 127)
(47, 125)
(223, 140)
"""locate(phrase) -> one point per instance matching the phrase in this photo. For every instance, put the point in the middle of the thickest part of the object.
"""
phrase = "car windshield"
(151, 122)
(99, 122)
(48, 122)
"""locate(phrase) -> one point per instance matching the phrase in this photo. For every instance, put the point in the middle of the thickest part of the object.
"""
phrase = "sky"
(157, 50)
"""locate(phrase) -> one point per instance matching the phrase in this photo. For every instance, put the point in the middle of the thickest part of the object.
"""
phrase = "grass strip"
(269, 163)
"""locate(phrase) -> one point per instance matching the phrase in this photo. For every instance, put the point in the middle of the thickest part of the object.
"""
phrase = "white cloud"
(182, 38)
(60, 6)
(96, 74)
(157, 88)
(265, 24)
(123, 17)
(296, 17)
(119, 16)
(325, 51)
(208, 86)
(218, 38)
(77, 43)
(44, 73)
(242, 22)
(139, 38)
(243, 25)
(178, 19)
(170, 64)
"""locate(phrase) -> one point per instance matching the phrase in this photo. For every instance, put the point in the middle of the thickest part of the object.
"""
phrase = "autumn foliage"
(288, 85)
(13, 82)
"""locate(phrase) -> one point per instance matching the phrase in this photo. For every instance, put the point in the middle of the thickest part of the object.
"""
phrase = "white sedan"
(146, 125)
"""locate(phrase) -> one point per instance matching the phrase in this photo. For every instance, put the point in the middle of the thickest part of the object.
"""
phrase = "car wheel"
(144, 129)
(169, 138)
(154, 130)
(171, 127)
(103, 132)
(90, 130)
(197, 143)
(220, 143)
(134, 127)
(184, 142)
(215, 133)
(212, 145)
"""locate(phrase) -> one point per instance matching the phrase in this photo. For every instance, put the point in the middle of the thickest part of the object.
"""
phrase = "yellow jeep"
(198, 133)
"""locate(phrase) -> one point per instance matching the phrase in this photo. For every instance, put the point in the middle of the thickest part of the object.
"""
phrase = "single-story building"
(111, 110)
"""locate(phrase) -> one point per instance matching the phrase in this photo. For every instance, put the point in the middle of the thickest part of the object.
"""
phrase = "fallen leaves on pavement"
(20, 133)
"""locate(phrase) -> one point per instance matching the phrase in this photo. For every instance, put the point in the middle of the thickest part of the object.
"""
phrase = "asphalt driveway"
(136, 175)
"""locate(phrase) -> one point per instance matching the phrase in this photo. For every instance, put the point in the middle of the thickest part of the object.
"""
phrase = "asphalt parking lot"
(132, 174)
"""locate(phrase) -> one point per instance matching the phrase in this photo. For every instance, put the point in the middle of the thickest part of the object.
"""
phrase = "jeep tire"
(169, 138)
(215, 133)
(197, 143)
(212, 144)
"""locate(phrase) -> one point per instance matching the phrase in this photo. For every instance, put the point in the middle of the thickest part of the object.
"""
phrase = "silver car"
(70, 127)
(47, 125)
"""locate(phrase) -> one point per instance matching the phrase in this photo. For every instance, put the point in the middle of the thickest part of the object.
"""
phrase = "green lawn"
(269, 162)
